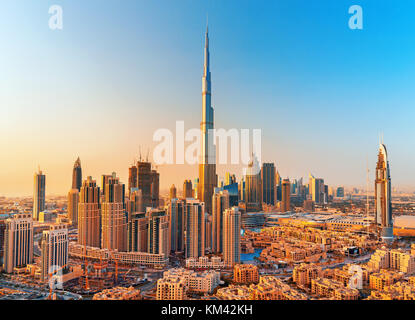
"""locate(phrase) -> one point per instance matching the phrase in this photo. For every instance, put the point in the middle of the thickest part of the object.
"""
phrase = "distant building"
(187, 189)
(77, 175)
(340, 192)
(73, 201)
(286, 192)
(316, 189)
(253, 189)
(38, 194)
(173, 192)
(268, 183)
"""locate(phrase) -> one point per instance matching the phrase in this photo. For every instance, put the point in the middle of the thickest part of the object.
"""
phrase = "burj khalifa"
(207, 163)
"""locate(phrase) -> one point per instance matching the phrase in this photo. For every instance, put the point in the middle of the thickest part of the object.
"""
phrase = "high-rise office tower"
(54, 258)
(268, 183)
(316, 189)
(195, 228)
(253, 189)
(132, 178)
(89, 218)
(2, 234)
(383, 195)
(104, 181)
(77, 175)
(114, 217)
(18, 242)
(135, 203)
(38, 195)
(232, 236)
(187, 189)
(220, 202)
(229, 179)
(148, 183)
(285, 203)
(177, 224)
(340, 192)
(208, 232)
(207, 164)
(173, 192)
(138, 232)
(73, 201)
(158, 232)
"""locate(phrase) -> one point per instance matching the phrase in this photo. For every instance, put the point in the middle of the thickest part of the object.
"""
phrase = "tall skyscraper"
(54, 251)
(316, 189)
(73, 201)
(207, 164)
(285, 203)
(158, 232)
(229, 179)
(253, 189)
(18, 242)
(173, 192)
(220, 204)
(383, 195)
(195, 228)
(187, 189)
(89, 218)
(138, 233)
(77, 175)
(132, 178)
(232, 236)
(2, 235)
(39, 194)
(268, 183)
(177, 224)
(135, 203)
(114, 217)
(148, 183)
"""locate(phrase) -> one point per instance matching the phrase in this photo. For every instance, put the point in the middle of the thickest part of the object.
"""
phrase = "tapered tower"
(207, 163)
(383, 196)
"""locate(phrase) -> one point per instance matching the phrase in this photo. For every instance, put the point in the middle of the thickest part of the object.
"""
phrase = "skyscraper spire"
(207, 166)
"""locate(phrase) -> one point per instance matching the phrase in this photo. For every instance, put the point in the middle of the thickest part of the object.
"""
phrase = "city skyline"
(40, 129)
(282, 197)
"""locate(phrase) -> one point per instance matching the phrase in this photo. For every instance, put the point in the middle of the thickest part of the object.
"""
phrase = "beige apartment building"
(245, 273)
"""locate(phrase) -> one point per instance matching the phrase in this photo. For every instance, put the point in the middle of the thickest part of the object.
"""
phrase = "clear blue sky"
(119, 70)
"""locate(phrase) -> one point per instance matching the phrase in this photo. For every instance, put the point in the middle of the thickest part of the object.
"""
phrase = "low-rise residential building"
(118, 293)
(384, 278)
(304, 273)
(245, 273)
(322, 287)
